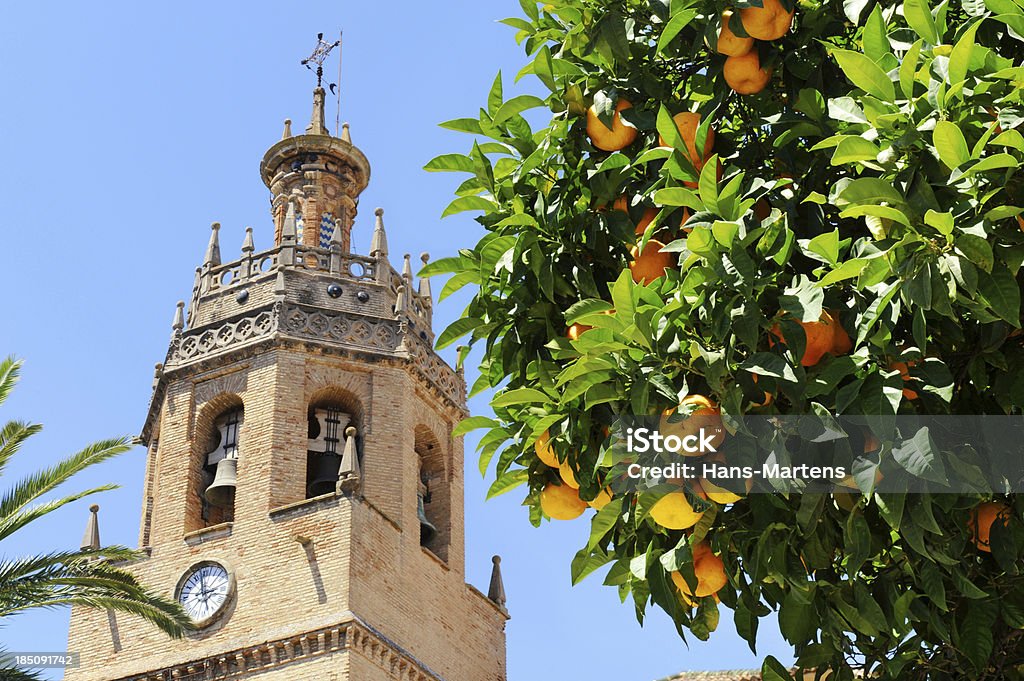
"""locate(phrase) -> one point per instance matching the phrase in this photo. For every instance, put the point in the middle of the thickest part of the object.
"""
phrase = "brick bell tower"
(304, 492)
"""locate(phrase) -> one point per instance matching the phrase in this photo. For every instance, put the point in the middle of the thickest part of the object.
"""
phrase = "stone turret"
(320, 176)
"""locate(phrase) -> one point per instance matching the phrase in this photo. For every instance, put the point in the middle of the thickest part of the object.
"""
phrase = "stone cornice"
(352, 635)
(288, 324)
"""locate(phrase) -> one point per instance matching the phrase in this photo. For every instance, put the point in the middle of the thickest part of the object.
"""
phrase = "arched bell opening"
(215, 462)
(333, 417)
(433, 495)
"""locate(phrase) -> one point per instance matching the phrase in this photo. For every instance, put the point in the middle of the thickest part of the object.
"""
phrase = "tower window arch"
(215, 463)
(433, 495)
(332, 411)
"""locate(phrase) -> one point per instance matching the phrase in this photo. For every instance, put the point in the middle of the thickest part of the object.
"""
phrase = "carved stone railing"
(347, 266)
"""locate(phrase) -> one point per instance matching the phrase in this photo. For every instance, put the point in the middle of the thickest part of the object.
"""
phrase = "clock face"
(204, 591)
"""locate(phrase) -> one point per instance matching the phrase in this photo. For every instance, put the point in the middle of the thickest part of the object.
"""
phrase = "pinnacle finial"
(288, 229)
(212, 258)
(407, 268)
(316, 121)
(248, 246)
(348, 472)
(287, 129)
(425, 281)
(91, 539)
(346, 133)
(496, 591)
(400, 301)
(179, 317)
(379, 243)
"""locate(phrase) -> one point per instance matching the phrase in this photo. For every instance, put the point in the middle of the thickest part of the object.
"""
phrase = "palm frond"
(165, 614)
(38, 484)
(9, 370)
(11, 524)
(12, 435)
(9, 672)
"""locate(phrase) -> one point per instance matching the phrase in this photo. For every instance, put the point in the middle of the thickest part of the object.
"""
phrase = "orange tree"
(781, 209)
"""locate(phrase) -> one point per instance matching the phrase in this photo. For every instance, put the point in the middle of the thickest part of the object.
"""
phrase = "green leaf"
(768, 364)
(495, 97)
(875, 38)
(950, 144)
(865, 74)
(869, 190)
(908, 69)
(472, 423)
(465, 203)
(519, 396)
(993, 162)
(772, 670)
(677, 23)
(960, 58)
(848, 269)
(515, 106)
(942, 222)
(1002, 293)
(826, 245)
(470, 125)
(919, 456)
(456, 330)
(977, 250)
(677, 196)
(851, 149)
(508, 482)
(604, 521)
(919, 16)
(451, 163)
(976, 638)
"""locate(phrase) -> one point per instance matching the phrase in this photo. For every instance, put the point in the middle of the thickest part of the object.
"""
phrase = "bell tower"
(303, 494)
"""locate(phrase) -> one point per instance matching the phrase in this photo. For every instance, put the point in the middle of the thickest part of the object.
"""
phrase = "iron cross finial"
(319, 56)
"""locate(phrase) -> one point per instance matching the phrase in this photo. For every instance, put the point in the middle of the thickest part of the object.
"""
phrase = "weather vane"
(319, 56)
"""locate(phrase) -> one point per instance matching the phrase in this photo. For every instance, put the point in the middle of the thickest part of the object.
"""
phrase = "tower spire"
(212, 258)
(91, 539)
(379, 244)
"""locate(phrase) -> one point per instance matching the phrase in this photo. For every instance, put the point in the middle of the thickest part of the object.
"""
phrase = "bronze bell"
(427, 529)
(222, 491)
(323, 469)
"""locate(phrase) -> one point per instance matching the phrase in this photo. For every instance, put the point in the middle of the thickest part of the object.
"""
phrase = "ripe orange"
(561, 502)
(646, 219)
(841, 342)
(981, 520)
(619, 136)
(822, 337)
(709, 570)
(1020, 222)
(682, 222)
(729, 43)
(576, 330)
(904, 369)
(703, 413)
(652, 263)
(673, 511)
(543, 449)
(568, 475)
(687, 123)
(744, 73)
(719, 495)
(769, 22)
(602, 499)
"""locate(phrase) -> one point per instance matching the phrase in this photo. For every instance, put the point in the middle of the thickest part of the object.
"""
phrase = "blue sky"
(127, 128)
